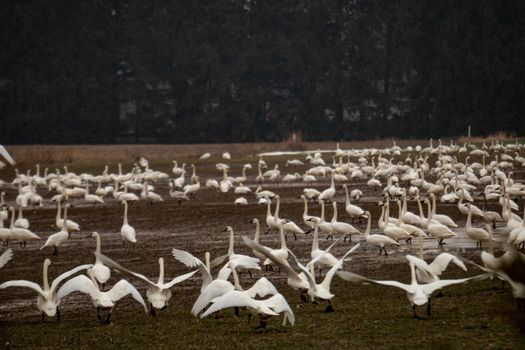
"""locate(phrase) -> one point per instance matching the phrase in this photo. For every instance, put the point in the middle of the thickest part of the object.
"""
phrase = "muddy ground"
(480, 314)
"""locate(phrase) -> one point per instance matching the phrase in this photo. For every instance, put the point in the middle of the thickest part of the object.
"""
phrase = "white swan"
(48, 301)
(353, 210)
(101, 300)
(306, 217)
(342, 228)
(377, 240)
(323, 258)
(436, 229)
(56, 239)
(286, 224)
(71, 225)
(329, 193)
(127, 231)
(478, 234)
(7, 156)
(417, 294)
(159, 293)
(20, 234)
(427, 273)
(101, 272)
(21, 222)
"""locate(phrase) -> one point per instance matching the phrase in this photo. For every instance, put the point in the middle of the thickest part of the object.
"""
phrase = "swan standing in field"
(71, 225)
(435, 228)
(478, 234)
(92, 198)
(417, 294)
(342, 228)
(127, 231)
(100, 271)
(323, 258)
(353, 210)
(48, 300)
(287, 225)
(240, 260)
(101, 300)
(377, 240)
(159, 293)
(329, 193)
(60, 237)
(306, 217)
(441, 218)
(21, 222)
(20, 234)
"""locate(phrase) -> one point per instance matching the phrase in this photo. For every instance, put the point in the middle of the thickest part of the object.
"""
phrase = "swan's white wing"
(6, 155)
(123, 288)
(431, 287)
(79, 283)
(191, 261)
(5, 257)
(279, 304)
(119, 268)
(318, 257)
(285, 267)
(180, 279)
(23, 283)
(423, 270)
(245, 261)
(330, 274)
(261, 288)
(306, 272)
(236, 298)
(441, 262)
(224, 273)
(218, 260)
(354, 277)
(213, 290)
(67, 274)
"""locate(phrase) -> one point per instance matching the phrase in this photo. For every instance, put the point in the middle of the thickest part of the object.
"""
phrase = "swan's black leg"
(43, 317)
(58, 315)
(329, 307)
(429, 307)
(415, 314)
(152, 310)
(55, 250)
(236, 311)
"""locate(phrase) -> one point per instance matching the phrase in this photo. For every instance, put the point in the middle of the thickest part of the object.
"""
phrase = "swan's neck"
(433, 205)
(334, 217)
(236, 282)
(64, 226)
(125, 213)
(207, 260)
(257, 232)
(268, 209)
(44, 275)
(368, 225)
(469, 217)
(322, 211)
(161, 271)
(12, 226)
(305, 213)
(315, 242)
(230, 248)
(97, 237)
(283, 239)
(347, 196)
(413, 279)
(59, 209)
(277, 205)
(20, 215)
(400, 214)
(430, 214)
(120, 169)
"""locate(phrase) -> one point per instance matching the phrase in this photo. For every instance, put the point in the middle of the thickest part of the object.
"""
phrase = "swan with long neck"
(478, 234)
(353, 210)
(377, 240)
(342, 228)
(21, 222)
(306, 217)
(101, 272)
(436, 229)
(56, 239)
(71, 225)
(127, 231)
(20, 234)
(101, 300)
(417, 294)
(48, 299)
(159, 293)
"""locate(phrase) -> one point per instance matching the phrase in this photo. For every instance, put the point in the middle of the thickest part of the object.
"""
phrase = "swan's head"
(49, 307)
(161, 261)
(314, 220)
(47, 262)
(366, 214)
(228, 229)
(95, 234)
(254, 221)
(344, 186)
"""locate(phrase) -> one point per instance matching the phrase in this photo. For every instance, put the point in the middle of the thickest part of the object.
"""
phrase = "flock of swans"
(427, 176)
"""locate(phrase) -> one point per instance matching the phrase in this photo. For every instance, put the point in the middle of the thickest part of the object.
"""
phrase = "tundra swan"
(101, 300)
(478, 234)
(159, 293)
(56, 239)
(329, 193)
(20, 234)
(21, 222)
(342, 228)
(127, 231)
(71, 225)
(5, 257)
(353, 210)
(101, 272)
(417, 294)
(375, 239)
(48, 301)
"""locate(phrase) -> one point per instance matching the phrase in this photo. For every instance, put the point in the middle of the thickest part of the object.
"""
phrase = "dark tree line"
(188, 71)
